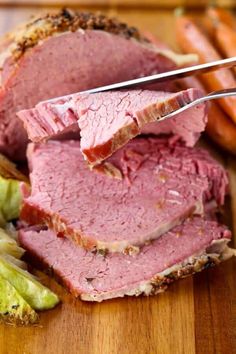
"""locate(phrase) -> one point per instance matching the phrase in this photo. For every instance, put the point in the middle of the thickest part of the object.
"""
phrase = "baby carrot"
(218, 14)
(219, 126)
(225, 39)
(192, 40)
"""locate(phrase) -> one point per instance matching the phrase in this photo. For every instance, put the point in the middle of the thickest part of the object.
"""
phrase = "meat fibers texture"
(141, 192)
(108, 120)
(186, 249)
(67, 52)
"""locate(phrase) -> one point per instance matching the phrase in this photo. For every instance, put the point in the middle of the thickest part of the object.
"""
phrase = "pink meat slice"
(189, 248)
(108, 120)
(141, 192)
(67, 52)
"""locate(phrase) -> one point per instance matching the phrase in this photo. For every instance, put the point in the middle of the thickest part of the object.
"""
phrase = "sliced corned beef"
(66, 52)
(108, 120)
(141, 192)
(189, 248)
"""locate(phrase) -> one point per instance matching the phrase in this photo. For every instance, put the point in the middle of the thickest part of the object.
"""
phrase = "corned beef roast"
(141, 192)
(67, 52)
(187, 249)
(108, 120)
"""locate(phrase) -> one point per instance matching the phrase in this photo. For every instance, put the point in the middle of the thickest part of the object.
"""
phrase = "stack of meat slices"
(137, 221)
(109, 215)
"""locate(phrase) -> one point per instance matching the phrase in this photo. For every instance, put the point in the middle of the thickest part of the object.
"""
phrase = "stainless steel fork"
(211, 96)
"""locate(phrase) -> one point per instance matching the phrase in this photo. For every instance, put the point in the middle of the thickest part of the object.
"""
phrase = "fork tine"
(211, 96)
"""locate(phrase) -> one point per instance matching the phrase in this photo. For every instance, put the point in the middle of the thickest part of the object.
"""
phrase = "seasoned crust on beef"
(160, 282)
(156, 285)
(45, 26)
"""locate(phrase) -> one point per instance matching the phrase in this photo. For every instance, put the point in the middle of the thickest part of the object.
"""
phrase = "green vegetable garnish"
(13, 308)
(10, 200)
(9, 246)
(10, 196)
(34, 293)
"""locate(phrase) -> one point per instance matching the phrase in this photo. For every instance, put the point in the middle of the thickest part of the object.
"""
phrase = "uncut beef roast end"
(187, 249)
(147, 187)
(67, 52)
(108, 120)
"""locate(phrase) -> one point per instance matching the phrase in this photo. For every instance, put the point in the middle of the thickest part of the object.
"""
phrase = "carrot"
(218, 14)
(219, 126)
(207, 27)
(225, 39)
(192, 40)
(221, 129)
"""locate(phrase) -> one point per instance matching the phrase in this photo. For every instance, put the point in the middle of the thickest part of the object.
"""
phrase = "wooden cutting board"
(196, 315)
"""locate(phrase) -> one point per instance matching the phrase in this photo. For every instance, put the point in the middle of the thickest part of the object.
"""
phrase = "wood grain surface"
(122, 3)
(196, 315)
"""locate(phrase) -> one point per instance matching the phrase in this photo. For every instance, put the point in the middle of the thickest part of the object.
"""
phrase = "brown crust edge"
(67, 20)
(158, 283)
